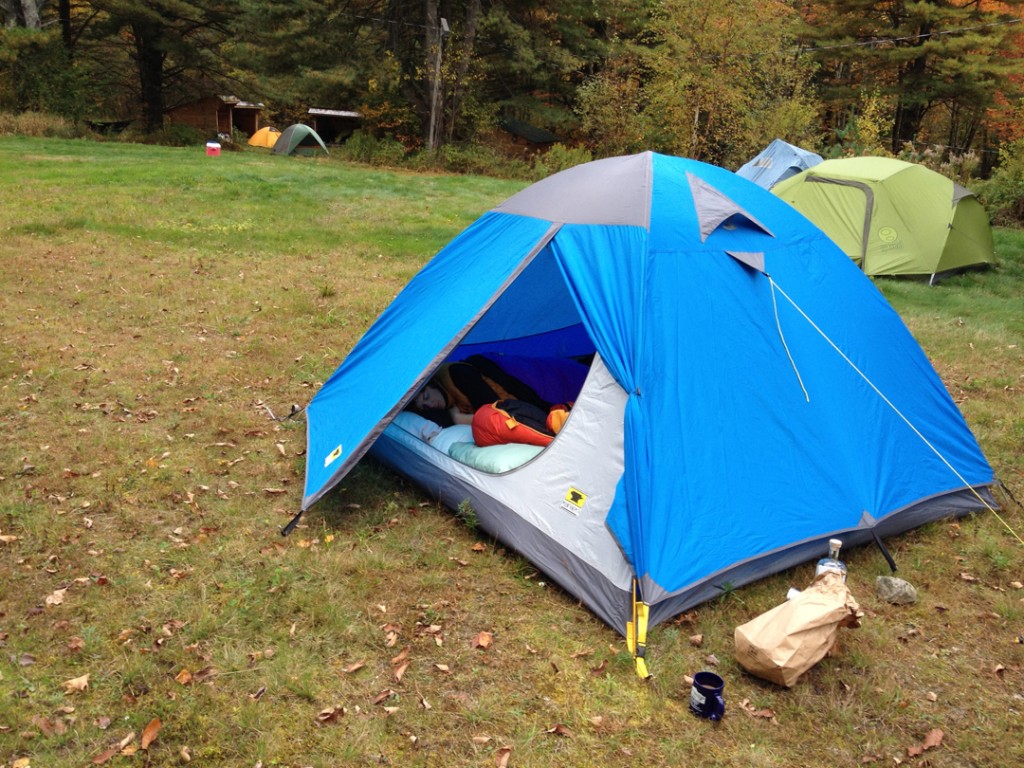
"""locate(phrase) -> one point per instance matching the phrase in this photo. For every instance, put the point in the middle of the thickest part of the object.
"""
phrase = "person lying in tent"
(458, 390)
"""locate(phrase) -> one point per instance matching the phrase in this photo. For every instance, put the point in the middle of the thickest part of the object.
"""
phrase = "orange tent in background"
(264, 137)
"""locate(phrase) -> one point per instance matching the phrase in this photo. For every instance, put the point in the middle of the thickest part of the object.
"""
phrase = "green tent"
(893, 218)
(299, 139)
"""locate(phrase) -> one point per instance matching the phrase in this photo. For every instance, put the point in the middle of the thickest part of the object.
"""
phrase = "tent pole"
(885, 552)
(291, 525)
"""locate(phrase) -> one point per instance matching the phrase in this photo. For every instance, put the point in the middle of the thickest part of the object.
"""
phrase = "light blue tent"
(751, 394)
(778, 161)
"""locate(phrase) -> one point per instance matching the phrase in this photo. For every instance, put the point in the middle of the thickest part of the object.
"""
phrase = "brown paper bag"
(783, 643)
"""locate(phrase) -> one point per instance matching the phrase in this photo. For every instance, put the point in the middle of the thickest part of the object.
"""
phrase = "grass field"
(158, 307)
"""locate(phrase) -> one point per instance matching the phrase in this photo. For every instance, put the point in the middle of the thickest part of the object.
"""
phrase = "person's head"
(430, 398)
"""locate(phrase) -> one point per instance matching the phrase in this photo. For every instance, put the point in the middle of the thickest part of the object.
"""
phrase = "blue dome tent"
(738, 412)
(777, 162)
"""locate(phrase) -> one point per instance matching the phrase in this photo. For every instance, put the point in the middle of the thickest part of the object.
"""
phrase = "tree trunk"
(64, 11)
(24, 13)
(466, 56)
(148, 48)
(433, 40)
(910, 110)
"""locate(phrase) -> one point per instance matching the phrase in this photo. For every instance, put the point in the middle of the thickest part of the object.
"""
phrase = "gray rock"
(895, 591)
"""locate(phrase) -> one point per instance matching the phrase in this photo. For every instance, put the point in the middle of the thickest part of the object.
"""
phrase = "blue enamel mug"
(706, 696)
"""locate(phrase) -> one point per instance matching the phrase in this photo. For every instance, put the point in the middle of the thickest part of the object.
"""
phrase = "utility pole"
(436, 92)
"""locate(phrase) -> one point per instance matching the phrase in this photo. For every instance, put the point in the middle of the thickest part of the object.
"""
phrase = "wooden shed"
(217, 114)
(334, 125)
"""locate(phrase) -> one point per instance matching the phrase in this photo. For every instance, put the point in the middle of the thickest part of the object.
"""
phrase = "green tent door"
(846, 206)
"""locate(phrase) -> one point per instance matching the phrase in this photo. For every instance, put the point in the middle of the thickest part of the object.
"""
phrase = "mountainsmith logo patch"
(332, 456)
(574, 501)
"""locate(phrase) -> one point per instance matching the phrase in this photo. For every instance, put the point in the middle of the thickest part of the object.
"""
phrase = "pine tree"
(923, 56)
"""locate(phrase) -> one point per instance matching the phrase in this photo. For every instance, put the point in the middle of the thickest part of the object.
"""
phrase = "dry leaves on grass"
(560, 730)
(483, 640)
(932, 740)
(754, 712)
(391, 635)
(186, 677)
(330, 715)
(125, 746)
(502, 757)
(149, 733)
(76, 684)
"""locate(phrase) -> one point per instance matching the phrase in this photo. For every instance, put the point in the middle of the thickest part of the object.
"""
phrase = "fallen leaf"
(185, 754)
(483, 640)
(696, 640)
(560, 730)
(931, 696)
(481, 739)
(384, 695)
(150, 732)
(581, 654)
(106, 755)
(400, 657)
(934, 738)
(56, 598)
(115, 749)
(399, 671)
(354, 667)
(931, 740)
(331, 714)
(479, 547)
(753, 711)
(258, 693)
(43, 724)
(968, 577)
(600, 668)
(443, 668)
(204, 674)
(184, 677)
(502, 756)
(76, 684)
(76, 645)
(711, 659)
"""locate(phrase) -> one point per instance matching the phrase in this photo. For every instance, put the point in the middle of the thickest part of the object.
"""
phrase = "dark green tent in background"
(299, 139)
